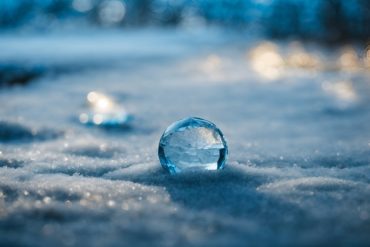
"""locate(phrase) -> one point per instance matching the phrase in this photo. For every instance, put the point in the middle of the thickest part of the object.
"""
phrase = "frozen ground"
(298, 171)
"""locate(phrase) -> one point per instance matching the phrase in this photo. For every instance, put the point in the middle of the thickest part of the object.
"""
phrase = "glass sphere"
(192, 144)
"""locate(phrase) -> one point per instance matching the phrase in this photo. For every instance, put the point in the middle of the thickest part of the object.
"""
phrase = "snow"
(298, 171)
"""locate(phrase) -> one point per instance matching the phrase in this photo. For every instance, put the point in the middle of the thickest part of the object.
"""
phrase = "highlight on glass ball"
(192, 144)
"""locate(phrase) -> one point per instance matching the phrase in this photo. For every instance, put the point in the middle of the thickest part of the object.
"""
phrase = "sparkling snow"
(299, 165)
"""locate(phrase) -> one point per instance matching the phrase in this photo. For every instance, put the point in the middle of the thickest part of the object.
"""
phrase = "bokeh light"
(112, 12)
(299, 58)
(266, 60)
(348, 59)
(100, 102)
(104, 111)
(342, 90)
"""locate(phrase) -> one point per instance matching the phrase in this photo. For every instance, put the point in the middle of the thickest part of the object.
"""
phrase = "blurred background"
(338, 29)
(321, 20)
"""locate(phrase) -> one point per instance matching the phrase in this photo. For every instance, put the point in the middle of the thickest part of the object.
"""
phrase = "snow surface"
(298, 171)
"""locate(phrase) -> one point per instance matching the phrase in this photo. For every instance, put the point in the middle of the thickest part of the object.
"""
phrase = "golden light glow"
(104, 111)
(93, 97)
(342, 90)
(300, 58)
(104, 104)
(266, 60)
(348, 59)
(100, 102)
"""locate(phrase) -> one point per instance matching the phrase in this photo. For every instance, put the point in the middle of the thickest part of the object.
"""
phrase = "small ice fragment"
(104, 112)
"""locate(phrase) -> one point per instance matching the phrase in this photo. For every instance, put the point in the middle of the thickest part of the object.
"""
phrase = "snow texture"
(298, 172)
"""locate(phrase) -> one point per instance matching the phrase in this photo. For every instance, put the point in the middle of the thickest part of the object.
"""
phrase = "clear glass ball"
(192, 144)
